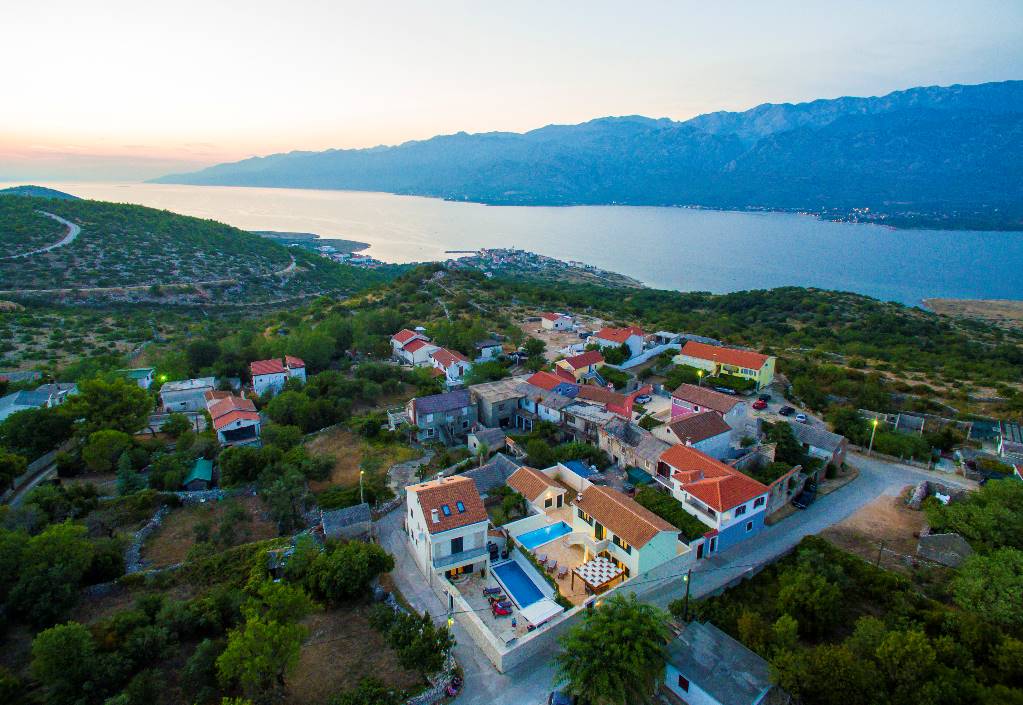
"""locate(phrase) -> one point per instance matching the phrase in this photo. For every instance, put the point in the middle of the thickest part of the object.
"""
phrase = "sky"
(124, 91)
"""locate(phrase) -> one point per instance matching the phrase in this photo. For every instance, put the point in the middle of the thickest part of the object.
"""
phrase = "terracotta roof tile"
(728, 356)
(293, 362)
(699, 427)
(446, 358)
(415, 345)
(448, 492)
(266, 367)
(590, 357)
(712, 482)
(618, 335)
(545, 380)
(404, 335)
(707, 398)
(530, 483)
(622, 516)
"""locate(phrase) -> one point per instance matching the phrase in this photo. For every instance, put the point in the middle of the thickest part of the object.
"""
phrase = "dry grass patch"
(887, 519)
(171, 542)
(342, 649)
(349, 452)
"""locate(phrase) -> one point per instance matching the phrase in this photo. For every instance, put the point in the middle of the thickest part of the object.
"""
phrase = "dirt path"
(72, 233)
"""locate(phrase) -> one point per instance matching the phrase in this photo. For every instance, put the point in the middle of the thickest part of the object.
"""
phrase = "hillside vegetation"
(136, 253)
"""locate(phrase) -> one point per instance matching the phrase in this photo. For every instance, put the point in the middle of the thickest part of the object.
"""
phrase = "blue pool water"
(520, 588)
(538, 537)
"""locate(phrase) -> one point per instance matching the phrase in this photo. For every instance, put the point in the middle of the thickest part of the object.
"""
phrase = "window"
(429, 433)
(621, 543)
(758, 502)
(683, 683)
(461, 507)
(446, 509)
(465, 424)
(740, 510)
(456, 545)
(548, 503)
(429, 418)
(749, 526)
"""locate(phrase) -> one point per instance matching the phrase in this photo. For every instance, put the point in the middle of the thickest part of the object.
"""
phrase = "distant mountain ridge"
(37, 192)
(931, 156)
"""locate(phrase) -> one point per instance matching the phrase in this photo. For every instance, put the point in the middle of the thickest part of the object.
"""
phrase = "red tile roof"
(699, 427)
(552, 316)
(404, 335)
(227, 409)
(545, 380)
(712, 482)
(446, 358)
(266, 367)
(602, 395)
(292, 362)
(727, 356)
(448, 491)
(590, 357)
(531, 483)
(233, 416)
(619, 335)
(623, 516)
(706, 398)
(415, 345)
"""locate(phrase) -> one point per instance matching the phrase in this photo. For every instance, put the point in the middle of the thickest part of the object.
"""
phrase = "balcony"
(702, 509)
(449, 560)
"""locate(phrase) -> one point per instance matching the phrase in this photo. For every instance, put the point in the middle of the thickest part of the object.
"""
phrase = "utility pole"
(872, 432)
(689, 582)
(879, 551)
(361, 473)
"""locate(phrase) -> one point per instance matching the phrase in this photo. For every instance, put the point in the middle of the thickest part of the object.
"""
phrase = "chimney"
(434, 516)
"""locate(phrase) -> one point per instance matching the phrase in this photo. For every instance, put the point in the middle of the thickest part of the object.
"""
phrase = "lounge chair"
(492, 591)
(541, 558)
(552, 566)
(562, 572)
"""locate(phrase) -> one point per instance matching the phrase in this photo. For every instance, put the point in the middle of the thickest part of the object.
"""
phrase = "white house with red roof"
(733, 505)
(555, 321)
(452, 363)
(235, 418)
(631, 336)
(717, 360)
(412, 348)
(691, 399)
(446, 524)
(582, 365)
(270, 375)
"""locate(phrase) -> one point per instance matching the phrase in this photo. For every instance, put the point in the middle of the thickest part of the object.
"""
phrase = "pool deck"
(472, 590)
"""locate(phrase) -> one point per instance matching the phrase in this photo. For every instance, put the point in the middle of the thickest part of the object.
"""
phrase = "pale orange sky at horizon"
(127, 90)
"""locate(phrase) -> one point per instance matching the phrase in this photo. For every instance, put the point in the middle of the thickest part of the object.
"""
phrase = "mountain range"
(925, 157)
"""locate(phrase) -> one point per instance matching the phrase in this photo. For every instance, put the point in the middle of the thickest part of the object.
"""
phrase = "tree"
(117, 405)
(906, 660)
(989, 518)
(53, 566)
(343, 572)
(540, 454)
(201, 354)
(259, 655)
(11, 466)
(369, 691)
(811, 598)
(285, 498)
(616, 655)
(64, 660)
(33, 432)
(534, 347)
(991, 586)
(176, 424)
(826, 675)
(128, 481)
(102, 450)
(284, 437)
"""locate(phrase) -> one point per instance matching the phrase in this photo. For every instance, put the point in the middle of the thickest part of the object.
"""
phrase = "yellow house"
(581, 365)
(730, 361)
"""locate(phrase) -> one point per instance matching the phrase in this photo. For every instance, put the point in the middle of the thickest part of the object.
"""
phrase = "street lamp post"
(699, 378)
(870, 449)
(361, 473)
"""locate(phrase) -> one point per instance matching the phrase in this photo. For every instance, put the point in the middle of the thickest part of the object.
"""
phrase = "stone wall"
(133, 554)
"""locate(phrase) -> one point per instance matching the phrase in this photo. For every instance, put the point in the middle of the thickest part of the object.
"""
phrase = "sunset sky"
(129, 90)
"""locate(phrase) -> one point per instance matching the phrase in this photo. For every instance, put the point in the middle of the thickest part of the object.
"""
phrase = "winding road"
(72, 232)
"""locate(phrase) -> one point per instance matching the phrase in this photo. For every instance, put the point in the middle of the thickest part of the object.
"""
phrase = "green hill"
(38, 192)
(132, 253)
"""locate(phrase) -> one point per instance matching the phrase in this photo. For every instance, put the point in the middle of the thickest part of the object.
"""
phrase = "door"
(456, 545)
(561, 501)
(598, 530)
(699, 552)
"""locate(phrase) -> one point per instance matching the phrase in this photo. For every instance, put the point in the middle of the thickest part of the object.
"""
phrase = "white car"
(801, 418)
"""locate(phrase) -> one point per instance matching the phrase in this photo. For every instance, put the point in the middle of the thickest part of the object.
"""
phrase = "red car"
(760, 405)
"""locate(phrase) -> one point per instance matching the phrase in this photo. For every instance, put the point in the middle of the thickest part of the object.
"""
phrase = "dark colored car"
(764, 397)
(725, 390)
(786, 411)
(805, 498)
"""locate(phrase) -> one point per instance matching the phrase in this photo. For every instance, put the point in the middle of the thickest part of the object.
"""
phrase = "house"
(544, 400)
(201, 476)
(1010, 440)
(719, 360)
(348, 523)
(489, 349)
(821, 443)
(705, 666)
(452, 363)
(493, 474)
(705, 430)
(615, 402)
(555, 321)
(632, 537)
(186, 395)
(539, 490)
(270, 375)
(446, 418)
(582, 366)
(630, 336)
(498, 401)
(584, 420)
(446, 524)
(234, 418)
(493, 438)
(58, 392)
(631, 445)
(731, 504)
(692, 399)
(20, 401)
(412, 348)
(142, 376)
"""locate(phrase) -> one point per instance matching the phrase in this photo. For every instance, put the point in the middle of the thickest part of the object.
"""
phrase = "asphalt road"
(530, 683)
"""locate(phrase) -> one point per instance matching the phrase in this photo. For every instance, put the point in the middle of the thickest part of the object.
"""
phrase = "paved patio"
(571, 556)
(472, 590)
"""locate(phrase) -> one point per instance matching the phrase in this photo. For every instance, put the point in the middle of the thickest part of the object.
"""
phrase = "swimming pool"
(517, 583)
(538, 537)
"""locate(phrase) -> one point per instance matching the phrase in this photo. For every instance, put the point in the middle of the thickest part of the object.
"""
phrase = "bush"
(343, 572)
(104, 448)
(419, 644)
(669, 509)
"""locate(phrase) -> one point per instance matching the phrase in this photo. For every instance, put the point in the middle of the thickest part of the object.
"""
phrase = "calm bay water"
(671, 248)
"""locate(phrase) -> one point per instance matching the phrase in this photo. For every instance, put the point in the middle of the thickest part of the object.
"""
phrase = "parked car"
(786, 411)
(801, 418)
(725, 390)
(643, 399)
(559, 698)
(764, 397)
(805, 498)
(760, 405)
